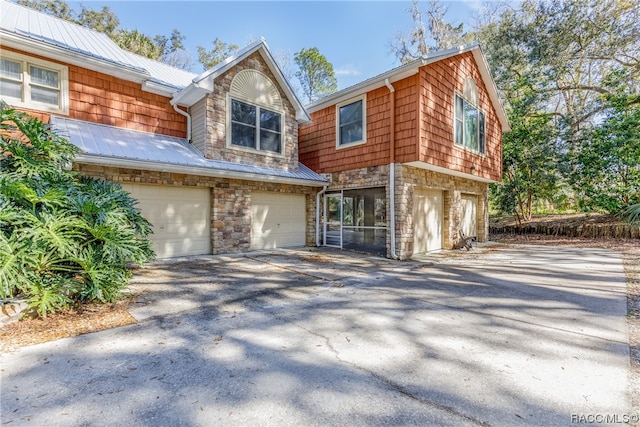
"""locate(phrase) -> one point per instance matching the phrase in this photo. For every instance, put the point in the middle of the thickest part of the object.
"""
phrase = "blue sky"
(353, 35)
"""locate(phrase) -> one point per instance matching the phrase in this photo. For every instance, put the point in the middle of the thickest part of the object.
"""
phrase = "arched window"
(469, 119)
(255, 113)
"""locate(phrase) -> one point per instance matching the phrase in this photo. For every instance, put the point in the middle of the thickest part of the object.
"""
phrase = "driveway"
(503, 336)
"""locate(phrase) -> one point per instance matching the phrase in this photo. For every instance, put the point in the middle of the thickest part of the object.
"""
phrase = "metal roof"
(114, 146)
(29, 25)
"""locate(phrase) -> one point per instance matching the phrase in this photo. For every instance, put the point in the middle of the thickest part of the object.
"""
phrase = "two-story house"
(212, 158)
(409, 155)
(230, 161)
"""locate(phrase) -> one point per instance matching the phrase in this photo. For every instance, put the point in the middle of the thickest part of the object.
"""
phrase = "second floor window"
(351, 123)
(469, 126)
(31, 83)
(255, 127)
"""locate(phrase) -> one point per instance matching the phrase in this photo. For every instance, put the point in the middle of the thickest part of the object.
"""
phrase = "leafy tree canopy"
(568, 73)
(220, 51)
(315, 74)
(434, 35)
(169, 50)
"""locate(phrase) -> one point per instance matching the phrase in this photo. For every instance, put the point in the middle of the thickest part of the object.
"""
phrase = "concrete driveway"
(502, 336)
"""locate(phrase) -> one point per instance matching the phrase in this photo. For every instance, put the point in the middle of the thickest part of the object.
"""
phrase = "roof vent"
(257, 88)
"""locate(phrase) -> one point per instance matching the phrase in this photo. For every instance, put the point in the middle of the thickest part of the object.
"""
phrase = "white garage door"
(277, 220)
(180, 218)
(469, 215)
(428, 220)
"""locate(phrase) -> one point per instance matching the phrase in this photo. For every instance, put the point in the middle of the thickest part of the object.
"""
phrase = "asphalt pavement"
(498, 336)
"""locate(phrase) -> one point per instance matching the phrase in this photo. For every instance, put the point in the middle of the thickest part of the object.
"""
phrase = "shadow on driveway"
(517, 335)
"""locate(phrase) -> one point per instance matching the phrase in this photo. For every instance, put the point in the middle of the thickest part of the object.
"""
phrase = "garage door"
(180, 218)
(469, 214)
(277, 220)
(428, 220)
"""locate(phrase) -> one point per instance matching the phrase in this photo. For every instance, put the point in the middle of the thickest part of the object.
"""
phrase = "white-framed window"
(254, 127)
(469, 120)
(351, 122)
(34, 83)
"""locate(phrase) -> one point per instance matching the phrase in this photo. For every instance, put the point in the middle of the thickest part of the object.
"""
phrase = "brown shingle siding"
(101, 98)
(431, 92)
(440, 81)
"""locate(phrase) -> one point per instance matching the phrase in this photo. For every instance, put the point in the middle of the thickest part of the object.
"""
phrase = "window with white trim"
(253, 126)
(469, 120)
(255, 114)
(351, 122)
(33, 83)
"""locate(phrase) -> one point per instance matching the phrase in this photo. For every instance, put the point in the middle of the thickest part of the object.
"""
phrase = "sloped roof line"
(76, 49)
(203, 83)
(411, 68)
(21, 27)
(113, 146)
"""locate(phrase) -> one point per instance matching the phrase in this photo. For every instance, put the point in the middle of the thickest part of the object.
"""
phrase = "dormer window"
(469, 119)
(255, 114)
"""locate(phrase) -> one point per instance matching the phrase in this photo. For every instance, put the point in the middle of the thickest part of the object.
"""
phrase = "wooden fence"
(596, 231)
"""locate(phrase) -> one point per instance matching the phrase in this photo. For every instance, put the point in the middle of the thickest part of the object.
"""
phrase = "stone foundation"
(407, 179)
(230, 201)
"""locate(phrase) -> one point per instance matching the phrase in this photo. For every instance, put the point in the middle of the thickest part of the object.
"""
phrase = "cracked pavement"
(516, 335)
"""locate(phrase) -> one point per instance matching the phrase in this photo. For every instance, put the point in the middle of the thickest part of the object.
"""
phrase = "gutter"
(73, 56)
(187, 115)
(392, 168)
(29, 43)
(192, 170)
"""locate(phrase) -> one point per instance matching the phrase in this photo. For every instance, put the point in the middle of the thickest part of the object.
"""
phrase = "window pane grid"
(350, 128)
(11, 81)
(11, 88)
(45, 95)
(41, 77)
(469, 126)
(29, 83)
(255, 127)
(10, 70)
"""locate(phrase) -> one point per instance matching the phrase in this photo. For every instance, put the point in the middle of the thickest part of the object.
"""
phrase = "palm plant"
(632, 213)
(63, 239)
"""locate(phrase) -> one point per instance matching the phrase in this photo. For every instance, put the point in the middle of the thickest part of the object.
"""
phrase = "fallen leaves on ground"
(69, 323)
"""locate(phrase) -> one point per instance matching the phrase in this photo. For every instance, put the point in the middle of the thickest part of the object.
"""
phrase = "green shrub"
(632, 213)
(63, 239)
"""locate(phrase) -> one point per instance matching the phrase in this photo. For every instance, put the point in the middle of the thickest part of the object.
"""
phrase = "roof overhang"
(127, 148)
(204, 83)
(75, 57)
(191, 170)
(397, 74)
(411, 68)
(439, 169)
(492, 89)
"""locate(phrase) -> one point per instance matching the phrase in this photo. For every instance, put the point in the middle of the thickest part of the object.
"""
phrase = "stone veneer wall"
(373, 176)
(230, 201)
(407, 179)
(216, 123)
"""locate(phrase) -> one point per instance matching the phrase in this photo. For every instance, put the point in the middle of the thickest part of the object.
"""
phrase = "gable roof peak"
(203, 84)
(406, 70)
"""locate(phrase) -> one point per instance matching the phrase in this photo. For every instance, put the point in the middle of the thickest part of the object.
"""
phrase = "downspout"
(320, 193)
(392, 168)
(188, 116)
